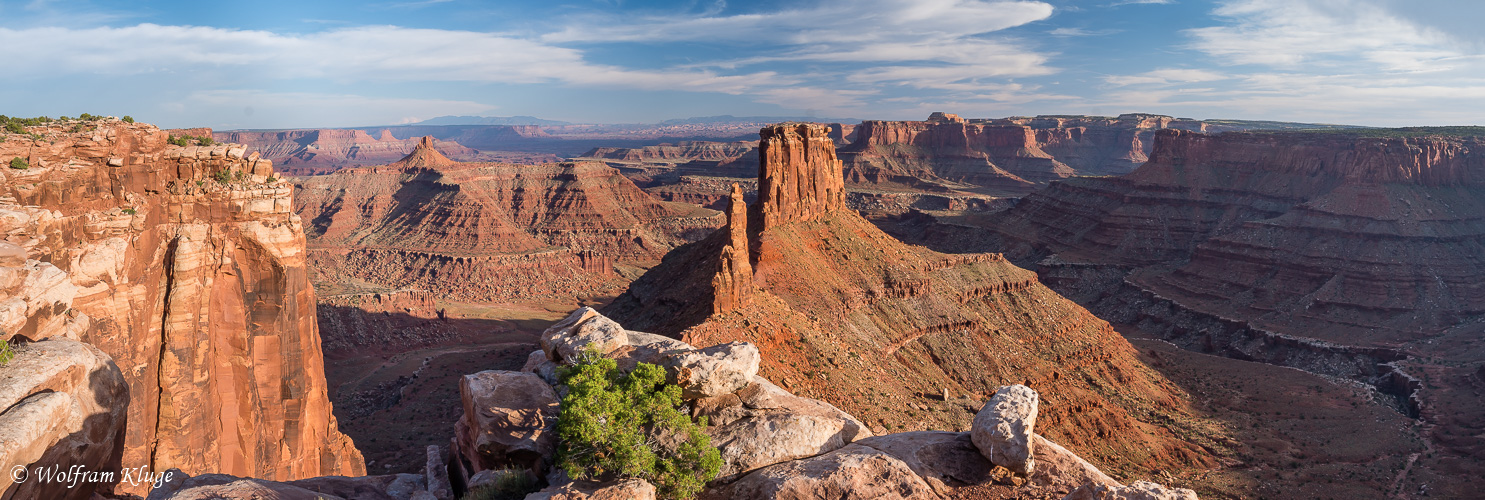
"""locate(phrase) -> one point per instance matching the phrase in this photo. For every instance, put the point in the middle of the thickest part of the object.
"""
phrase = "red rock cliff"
(489, 231)
(191, 267)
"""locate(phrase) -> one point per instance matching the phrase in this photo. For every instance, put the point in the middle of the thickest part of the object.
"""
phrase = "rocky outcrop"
(1139, 490)
(506, 424)
(632, 489)
(714, 371)
(1002, 429)
(474, 231)
(63, 404)
(844, 313)
(800, 177)
(854, 472)
(190, 268)
(761, 425)
(319, 151)
(733, 283)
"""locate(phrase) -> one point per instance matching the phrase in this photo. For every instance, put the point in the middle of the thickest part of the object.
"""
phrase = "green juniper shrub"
(206, 140)
(271, 179)
(222, 176)
(14, 127)
(508, 487)
(6, 354)
(130, 210)
(609, 422)
(128, 119)
(19, 163)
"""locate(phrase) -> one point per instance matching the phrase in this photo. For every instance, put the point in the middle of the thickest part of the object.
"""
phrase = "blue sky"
(279, 64)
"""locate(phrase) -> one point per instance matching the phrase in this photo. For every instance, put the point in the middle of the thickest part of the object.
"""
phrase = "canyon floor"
(394, 401)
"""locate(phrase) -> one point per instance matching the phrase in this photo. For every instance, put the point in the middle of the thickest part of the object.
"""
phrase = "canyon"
(489, 232)
(164, 287)
(428, 268)
(900, 336)
(1348, 254)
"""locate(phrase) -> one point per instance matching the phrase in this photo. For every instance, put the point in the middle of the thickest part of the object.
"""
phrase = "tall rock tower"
(799, 177)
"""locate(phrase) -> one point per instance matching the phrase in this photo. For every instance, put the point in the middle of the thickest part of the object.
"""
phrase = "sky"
(282, 64)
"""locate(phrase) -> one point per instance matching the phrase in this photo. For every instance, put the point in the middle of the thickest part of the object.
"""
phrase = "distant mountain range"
(695, 120)
(490, 120)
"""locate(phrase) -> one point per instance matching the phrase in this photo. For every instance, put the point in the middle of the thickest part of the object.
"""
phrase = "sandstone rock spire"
(424, 155)
(734, 279)
(799, 177)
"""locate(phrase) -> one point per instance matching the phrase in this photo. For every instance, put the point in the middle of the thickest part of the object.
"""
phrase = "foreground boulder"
(507, 423)
(631, 489)
(849, 473)
(713, 371)
(762, 425)
(586, 329)
(63, 403)
(1139, 490)
(1003, 428)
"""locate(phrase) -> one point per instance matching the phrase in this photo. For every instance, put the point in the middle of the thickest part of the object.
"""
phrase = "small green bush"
(222, 176)
(206, 141)
(14, 127)
(608, 422)
(507, 487)
(271, 179)
(128, 119)
(130, 210)
(19, 163)
(6, 354)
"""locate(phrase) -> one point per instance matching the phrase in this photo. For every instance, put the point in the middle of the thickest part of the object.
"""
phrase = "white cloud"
(933, 44)
(1166, 77)
(1289, 33)
(825, 22)
(374, 53)
(1065, 32)
(263, 109)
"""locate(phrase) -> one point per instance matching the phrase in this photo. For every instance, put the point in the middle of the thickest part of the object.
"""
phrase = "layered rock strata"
(489, 232)
(843, 312)
(1344, 254)
(317, 151)
(186, 266)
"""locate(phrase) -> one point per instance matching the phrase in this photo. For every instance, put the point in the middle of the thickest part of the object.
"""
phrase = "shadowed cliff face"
(489, 232)
(845, 313)
(192, 269)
